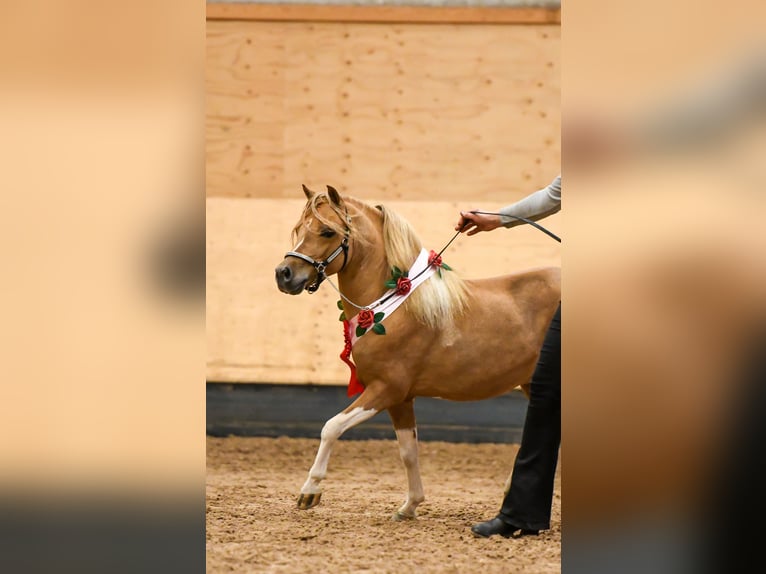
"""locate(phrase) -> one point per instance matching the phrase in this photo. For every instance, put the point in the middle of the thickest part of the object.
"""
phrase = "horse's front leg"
(403, 417)
(366, 406)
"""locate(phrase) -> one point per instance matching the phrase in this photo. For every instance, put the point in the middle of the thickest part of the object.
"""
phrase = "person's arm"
(538, 205)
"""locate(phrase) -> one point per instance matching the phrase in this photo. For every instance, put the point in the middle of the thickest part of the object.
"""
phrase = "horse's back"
(527, 298)
(541, 284)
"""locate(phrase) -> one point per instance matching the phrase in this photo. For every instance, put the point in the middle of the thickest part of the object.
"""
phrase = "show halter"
(321, 266)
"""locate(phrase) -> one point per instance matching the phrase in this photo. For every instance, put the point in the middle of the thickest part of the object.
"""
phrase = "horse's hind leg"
(403, 417)
(363, 408)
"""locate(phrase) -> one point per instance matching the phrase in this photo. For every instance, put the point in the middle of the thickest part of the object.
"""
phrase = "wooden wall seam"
(384, 14)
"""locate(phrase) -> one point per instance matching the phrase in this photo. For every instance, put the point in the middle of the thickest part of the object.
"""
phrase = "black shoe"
(498, 526)
(492, 527)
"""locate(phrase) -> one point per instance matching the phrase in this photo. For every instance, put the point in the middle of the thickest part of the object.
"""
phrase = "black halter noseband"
(320, 266)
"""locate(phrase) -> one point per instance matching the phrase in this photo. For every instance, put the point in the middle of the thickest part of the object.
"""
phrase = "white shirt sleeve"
(537, 205)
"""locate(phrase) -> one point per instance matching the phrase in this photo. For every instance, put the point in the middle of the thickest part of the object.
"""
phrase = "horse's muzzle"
(289, 281)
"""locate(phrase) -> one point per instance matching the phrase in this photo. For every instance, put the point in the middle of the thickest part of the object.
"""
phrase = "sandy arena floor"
(253, 524)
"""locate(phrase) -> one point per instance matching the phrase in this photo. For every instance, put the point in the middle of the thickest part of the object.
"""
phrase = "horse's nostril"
(286, 273)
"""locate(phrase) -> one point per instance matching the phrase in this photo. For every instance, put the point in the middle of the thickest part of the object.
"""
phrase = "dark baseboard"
(245, 409)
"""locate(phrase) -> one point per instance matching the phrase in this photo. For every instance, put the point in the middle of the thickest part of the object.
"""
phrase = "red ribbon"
(354, 386)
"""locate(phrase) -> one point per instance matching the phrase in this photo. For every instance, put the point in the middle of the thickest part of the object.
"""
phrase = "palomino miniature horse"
(452, 339)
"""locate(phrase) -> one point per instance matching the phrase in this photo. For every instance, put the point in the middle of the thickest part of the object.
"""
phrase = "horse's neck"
(363, 279)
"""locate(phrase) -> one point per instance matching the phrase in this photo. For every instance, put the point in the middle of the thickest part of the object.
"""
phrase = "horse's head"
(321, 239)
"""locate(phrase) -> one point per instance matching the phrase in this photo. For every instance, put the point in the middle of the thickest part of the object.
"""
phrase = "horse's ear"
(308, 192)
(334, 196)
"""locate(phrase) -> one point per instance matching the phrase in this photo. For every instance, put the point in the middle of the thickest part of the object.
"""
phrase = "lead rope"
(524, 219)
(346, 299)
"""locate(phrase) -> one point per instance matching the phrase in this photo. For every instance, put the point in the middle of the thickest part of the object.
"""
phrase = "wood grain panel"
(245, 109)
(257, 334)
(410, 112)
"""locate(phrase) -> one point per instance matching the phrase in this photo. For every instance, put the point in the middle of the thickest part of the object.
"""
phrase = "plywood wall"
(425, 118)
(415, 112)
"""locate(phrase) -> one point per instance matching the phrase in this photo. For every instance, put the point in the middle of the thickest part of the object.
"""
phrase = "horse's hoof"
(306, 501)
(400, 516)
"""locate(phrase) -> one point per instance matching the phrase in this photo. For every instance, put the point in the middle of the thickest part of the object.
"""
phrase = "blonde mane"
(311, 210)
(437, 301)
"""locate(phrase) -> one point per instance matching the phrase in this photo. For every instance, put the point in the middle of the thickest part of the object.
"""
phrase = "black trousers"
(527, 503)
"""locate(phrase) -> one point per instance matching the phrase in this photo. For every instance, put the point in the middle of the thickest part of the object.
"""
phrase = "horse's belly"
(475, 381)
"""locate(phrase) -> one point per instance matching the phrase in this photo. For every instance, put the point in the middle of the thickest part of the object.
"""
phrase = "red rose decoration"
(366, 318)
(434, 259)
(403, 286)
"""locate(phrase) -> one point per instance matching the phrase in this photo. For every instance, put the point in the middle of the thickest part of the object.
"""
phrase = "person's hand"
(474, 222)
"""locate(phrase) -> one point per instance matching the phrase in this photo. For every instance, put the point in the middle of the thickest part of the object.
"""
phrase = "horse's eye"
(327, 233)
